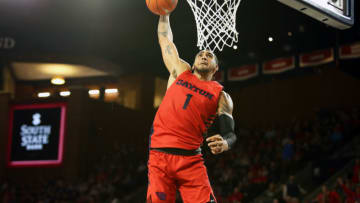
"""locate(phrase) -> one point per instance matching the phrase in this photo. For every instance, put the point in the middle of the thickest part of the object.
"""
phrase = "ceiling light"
(58, 80)
(94, 92)
(111, 91)
(235, 47)
(65, 93)
(58, 69)
(270, 39)
(43, 94)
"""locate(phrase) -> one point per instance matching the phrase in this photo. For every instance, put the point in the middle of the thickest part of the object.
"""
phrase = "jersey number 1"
(188, 97)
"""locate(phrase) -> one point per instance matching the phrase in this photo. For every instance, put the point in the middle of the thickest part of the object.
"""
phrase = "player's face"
(205, 62)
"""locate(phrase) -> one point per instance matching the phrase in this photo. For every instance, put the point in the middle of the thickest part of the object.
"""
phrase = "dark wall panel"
(278, 102)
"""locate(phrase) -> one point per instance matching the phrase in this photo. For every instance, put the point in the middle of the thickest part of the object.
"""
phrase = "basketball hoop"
(215, 23)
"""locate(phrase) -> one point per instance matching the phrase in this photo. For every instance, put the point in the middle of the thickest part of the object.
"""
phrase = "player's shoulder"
(225, 104)
(216, 83)
(225, 96)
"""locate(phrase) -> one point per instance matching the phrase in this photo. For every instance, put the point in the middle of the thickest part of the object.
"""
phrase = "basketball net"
(215, 23)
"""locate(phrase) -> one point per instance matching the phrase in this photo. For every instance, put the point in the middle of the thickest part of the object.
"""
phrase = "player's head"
(205, 62)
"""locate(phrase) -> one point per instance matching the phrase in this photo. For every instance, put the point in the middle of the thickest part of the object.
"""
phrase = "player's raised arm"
(227, 137)
(170, 55)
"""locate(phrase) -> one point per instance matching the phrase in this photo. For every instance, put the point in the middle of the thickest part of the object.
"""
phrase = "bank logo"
(36, 119)
(35, 136)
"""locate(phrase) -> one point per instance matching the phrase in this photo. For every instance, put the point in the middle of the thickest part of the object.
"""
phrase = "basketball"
(161, 7)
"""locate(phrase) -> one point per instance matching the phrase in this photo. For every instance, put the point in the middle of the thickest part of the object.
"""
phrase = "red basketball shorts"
(168, 173)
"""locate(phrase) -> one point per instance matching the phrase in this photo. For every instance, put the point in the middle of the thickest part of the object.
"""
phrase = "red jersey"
(187, 110)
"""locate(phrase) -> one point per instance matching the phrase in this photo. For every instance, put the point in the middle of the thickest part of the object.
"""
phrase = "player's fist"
(217, 144)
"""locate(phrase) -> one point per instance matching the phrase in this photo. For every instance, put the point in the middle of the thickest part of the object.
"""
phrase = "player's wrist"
(225, 145)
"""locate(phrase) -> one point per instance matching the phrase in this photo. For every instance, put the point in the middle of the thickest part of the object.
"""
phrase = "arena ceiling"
(119, 36)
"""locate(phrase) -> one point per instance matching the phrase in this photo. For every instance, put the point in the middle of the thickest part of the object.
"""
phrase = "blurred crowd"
(260, 163)
(111, 177)
(263, 160)
(346, 189)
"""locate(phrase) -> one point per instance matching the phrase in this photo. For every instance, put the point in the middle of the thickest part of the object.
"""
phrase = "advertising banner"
(316, 58)
(279, 65)
(350, 51)
(243, 72)
(36, 134)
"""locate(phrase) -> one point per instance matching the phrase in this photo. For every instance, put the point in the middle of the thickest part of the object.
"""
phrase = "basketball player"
(191, 103)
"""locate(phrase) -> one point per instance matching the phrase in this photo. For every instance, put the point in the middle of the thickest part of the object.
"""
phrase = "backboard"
(336, 13)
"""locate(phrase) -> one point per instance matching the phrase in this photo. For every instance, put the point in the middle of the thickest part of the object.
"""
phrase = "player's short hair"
(215, 57)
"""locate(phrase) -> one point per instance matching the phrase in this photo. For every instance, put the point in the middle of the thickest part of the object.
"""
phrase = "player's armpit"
(171, 80)
(173, 62)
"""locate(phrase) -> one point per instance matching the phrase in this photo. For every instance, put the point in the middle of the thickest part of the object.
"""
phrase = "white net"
(215, 23)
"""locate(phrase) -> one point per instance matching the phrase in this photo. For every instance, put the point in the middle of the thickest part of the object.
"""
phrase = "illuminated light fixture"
(111, 91)
(65, 93)
(58, 80)
(235, 47)
(57, 69)
(43, 94)
(94, 92)
(270, 39)
(290, 34)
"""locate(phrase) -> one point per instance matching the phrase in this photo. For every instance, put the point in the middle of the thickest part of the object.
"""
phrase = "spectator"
(334, 196)
(327, 196)
(270, 133)
(270, 192)
(351, 195)
(356, 170)
(288, 149)
(292, 191)
(337, 135)
(236, 196)
(274, 172)
(275, 200)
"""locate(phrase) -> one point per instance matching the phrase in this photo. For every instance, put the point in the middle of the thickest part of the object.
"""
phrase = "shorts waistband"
(177, 151)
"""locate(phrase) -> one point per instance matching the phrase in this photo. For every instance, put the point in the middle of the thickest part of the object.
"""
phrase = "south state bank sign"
(36, 134)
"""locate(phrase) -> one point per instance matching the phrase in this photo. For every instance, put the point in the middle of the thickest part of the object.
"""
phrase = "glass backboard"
(336, 13)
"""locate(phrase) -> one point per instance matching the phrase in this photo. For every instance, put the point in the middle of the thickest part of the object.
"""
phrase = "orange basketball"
(161, 7)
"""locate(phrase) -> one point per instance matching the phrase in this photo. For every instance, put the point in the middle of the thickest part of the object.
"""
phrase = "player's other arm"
(170, 55)
(227, 137)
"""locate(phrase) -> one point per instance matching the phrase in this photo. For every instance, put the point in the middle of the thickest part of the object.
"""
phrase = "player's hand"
(217, 144)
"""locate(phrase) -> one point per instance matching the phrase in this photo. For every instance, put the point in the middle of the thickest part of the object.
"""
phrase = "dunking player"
(191, 103)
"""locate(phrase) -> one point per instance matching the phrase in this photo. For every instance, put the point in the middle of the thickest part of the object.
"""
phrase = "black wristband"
(226, 127)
